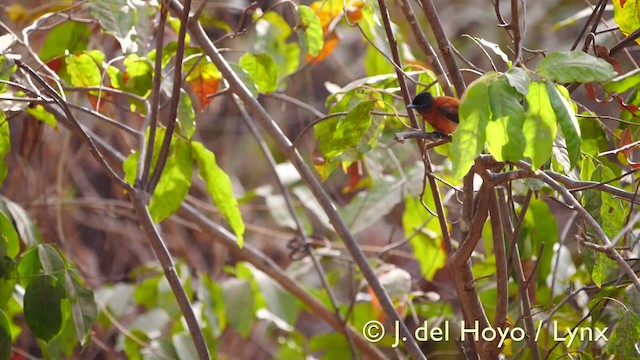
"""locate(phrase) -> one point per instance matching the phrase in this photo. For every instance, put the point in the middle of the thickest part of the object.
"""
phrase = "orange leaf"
(354, 11)
(203, 88)
(329, 45)
(355, 175)
(591, 91)
(93, 99)
(626, 139)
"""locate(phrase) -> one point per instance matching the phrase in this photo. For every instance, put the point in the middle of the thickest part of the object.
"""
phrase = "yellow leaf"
(626, 13)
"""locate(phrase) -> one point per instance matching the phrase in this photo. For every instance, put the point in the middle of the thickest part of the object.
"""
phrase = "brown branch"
(502, 276)
(175, 99)
(164, 257)
(147, 153)
(425, 46)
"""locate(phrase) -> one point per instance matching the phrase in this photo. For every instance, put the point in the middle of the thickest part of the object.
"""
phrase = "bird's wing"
(450, 112)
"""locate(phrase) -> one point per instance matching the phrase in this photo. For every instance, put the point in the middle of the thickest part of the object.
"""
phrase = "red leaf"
(626, 139)
(203, 89)
(591, 91)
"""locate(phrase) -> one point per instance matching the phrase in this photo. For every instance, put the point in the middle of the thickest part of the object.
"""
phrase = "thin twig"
(175, 99)
(443, 43)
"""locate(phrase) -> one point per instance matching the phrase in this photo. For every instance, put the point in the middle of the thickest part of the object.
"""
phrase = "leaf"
(624, 82)
(118, 17)
(327, 49)
(10, 244)
(507, 140)
(175, 181)
(281, 303)
(7, 68)
(542, 231)
(262, 71)
(68, 37)
(519, 79)
(43, 115)
(468, 140)
(138, 75)
(624, 338)
(219, 187)
(205, 80)
(567, 120)
(575, 66)
(186, 116)
(83, 70)
(427, 249)
(272, 40)
(626, 13)
(540, 125)
(83, 306)
(5, 337)
(348, 131)
(42, 307)
(312, 36)
(239, 302)
(496, 50)
(5, 145)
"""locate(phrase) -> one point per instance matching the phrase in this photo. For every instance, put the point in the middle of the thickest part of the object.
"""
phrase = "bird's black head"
(424, 100)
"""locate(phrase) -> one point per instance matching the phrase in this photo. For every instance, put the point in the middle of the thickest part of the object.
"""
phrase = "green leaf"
(43, 115)
(272, 40)
(623, 340)
(519, 79)
(138, 75)
(175, 181)
(507, 141)
(5, 337)
(279, 302)
(262, 71)
(624, 82)
(185, 348)
(9, 244)
(5, 145)
(83, 306)
(7, 68)
(574, 66)
(312, 35)
(542, 233)
(427, 245)
(167, 54)
(239, 302)
(29, 267)
(540, 125)
(186, 115)
(568, 122)
(469, 138)
(83, 70)
(42, 307)
(219, 187)
(348, 131)
(118, 17)
(69, 36)
(609, 212)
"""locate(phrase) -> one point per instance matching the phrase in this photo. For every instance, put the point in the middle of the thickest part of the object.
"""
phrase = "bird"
(441, 112)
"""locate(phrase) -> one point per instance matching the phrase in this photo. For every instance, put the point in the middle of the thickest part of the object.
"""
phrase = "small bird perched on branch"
(441, 112)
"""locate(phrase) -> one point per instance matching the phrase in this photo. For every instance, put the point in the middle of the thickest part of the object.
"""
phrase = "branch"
(164, 257)
(425, 46)
(175, 99)
(608, 247)
(144, 168)
(445, 48)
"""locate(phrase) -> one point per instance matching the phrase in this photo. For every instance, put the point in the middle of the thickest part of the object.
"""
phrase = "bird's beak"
(411, 106)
